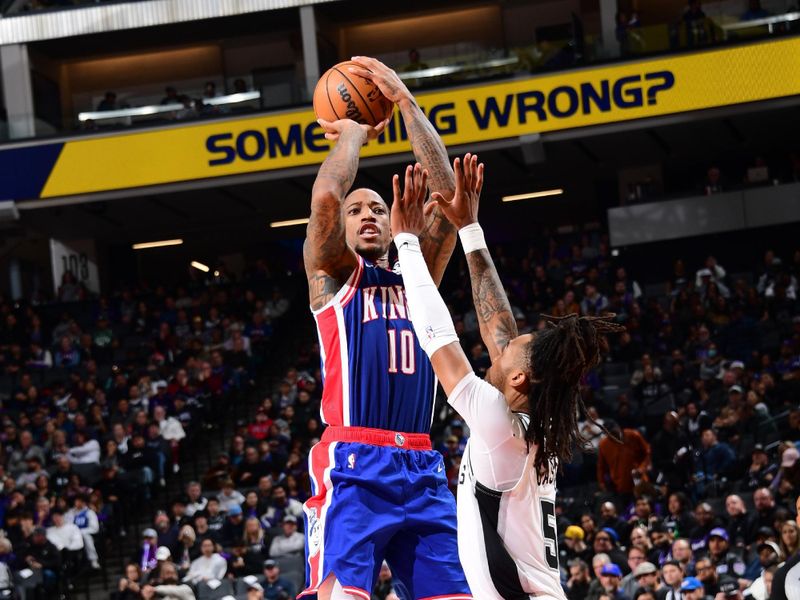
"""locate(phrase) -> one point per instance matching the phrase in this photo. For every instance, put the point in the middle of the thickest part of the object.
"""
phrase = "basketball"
(342, 95)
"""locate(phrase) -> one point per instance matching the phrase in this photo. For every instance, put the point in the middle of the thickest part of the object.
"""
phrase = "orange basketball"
(342, 95)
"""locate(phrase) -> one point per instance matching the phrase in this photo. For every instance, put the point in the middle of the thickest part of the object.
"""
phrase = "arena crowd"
(692, 430)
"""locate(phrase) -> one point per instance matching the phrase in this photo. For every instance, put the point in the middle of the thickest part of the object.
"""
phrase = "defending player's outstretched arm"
(429, 315)
(327, 258)
(438, 237)
(497, 324)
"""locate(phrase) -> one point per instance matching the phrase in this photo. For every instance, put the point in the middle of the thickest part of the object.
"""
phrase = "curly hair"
(560, 355)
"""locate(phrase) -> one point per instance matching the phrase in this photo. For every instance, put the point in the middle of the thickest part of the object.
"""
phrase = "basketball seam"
(328, 94)
(355, 89)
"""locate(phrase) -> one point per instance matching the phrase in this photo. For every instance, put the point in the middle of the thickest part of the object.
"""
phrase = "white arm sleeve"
(428, 312)
(498, 450)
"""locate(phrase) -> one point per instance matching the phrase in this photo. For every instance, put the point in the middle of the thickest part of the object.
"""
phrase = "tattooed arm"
(438, 238)
(327, 258)
(497, 324)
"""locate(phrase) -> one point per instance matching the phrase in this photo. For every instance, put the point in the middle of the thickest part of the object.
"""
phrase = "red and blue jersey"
(375, 373)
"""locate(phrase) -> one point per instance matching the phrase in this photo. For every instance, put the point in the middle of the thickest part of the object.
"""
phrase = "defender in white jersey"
(523, 417)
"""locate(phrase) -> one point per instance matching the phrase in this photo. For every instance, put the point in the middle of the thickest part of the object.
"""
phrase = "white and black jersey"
(506, 515)
(786, 583)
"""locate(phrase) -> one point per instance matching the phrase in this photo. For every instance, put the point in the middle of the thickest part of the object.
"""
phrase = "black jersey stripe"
(502, 569)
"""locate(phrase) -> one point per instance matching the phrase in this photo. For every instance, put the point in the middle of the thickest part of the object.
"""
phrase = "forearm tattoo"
(325, 248)
(492, 307)
(438, 238)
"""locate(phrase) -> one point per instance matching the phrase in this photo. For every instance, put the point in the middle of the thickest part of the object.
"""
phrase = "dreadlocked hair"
(560, 355)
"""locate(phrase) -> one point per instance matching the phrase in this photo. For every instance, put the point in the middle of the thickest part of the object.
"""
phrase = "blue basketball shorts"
(381, 495)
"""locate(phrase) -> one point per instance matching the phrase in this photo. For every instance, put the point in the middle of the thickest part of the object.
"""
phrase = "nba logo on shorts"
(351, 460)
(399, 439)
(429, 332)
(314, 531)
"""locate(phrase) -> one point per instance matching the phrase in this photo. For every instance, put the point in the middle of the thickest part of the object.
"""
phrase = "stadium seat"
(206, 592)
(293, 567)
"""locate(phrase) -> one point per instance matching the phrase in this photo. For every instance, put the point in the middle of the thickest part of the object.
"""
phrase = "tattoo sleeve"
(328, 260)
(492, 307)
(438, 238)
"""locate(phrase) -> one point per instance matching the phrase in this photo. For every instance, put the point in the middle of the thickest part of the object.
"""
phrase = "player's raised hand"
(390, 85)
(333, 129)
(407, 206)
(462, 210)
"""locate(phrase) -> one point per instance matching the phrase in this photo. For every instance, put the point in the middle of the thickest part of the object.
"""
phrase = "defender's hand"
(407, 207)
(333, 129)
(462, 210)
(390, 85)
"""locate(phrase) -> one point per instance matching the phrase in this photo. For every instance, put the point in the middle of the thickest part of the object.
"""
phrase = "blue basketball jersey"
(375, 373)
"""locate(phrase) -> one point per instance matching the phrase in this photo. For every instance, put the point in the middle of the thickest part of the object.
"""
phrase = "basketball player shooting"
(522, 417)
(379, 490)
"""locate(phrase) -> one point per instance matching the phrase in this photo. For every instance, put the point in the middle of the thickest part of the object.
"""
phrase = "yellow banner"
(577, 98)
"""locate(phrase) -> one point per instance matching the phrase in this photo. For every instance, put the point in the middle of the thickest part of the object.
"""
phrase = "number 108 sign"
(78, 257)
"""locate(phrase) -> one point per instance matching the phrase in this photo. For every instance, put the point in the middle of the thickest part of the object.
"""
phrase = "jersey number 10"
(405, 348)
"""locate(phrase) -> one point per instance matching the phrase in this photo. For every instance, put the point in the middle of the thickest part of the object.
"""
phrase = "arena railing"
(545, 55)
(125, 116)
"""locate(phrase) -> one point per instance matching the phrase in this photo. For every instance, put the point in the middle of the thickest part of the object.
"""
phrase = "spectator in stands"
(698, 28)
(599, 561)
(593, 303)
(789, 538)
(145, 555)
(707, 574)
(85, 519)
(109, 102)
(281, 506)
(764, 503)
(646, 578)
(610, 577)
(239, 86)
(210, 90)
(64, 535)
(229, 496)
(291, 542)
(623, 456)
(574, 546)
(129, 586)
(716, 458)
(579, 579)
(725, 562)
(713, 183)
(275, 586)
(168, 587)
(187, 549)
(233, 528)
(692, 589)
(170, 96)
(740, 523)
(195, 502)
(40, 555)
(209, 565)
(672, 577)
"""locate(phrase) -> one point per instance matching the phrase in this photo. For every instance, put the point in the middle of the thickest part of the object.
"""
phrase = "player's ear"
(519, 380)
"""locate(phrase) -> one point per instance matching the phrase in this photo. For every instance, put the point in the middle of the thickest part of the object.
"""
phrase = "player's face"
(514, 353)
(366, 219)
(511, 360)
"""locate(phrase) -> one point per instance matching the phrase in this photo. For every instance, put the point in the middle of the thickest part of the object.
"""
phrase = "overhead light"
(200, 266)
(615, 252)
(532, 195)
(158, 244)
(288, 223)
